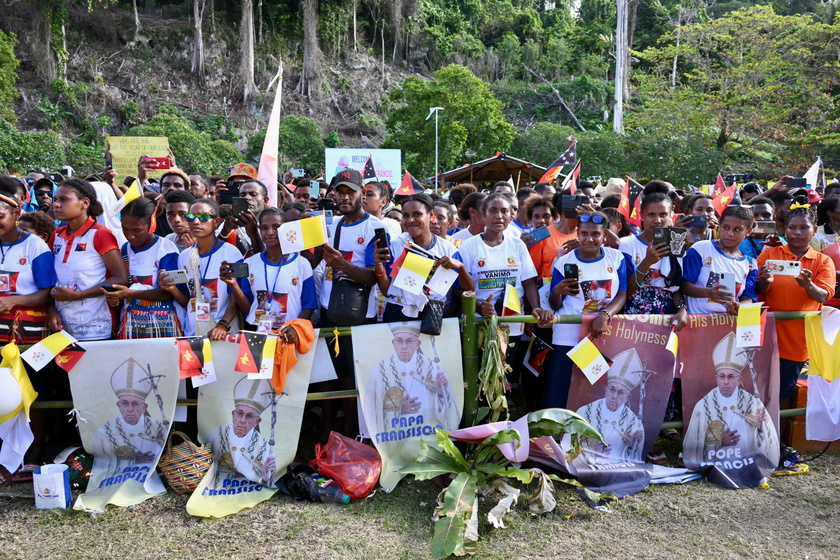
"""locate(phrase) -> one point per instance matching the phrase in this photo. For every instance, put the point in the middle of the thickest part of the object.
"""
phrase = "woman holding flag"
(418, 215)
(280, 287)
(495, 259)
(589, 279)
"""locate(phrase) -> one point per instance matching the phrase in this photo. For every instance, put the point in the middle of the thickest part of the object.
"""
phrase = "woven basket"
(185, 464)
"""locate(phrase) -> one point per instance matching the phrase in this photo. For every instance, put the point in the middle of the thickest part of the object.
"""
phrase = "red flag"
(395, 268)
(630, 205)
(719, 186)
(409, 186)
(566, 158)
(722, 201)
(69, 357)
(250, 355)
(190, 355)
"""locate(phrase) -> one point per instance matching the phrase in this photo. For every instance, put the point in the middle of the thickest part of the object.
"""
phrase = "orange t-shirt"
(544, 252)
(786, 295)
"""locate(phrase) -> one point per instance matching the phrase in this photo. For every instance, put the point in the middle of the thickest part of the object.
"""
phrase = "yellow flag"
(512, 299)
(591, 362)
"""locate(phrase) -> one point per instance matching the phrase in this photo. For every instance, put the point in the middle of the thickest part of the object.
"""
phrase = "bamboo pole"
(469, 350)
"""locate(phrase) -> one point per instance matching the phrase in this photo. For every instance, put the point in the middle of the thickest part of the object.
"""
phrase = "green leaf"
(489, 468)
(458, 502)
(558, 421)
(431, 463)
(449, 448)
(504, 436)
(522, 476)
(481, 414)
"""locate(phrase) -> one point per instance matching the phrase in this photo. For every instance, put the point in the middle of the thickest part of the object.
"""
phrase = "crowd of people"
(166, 264)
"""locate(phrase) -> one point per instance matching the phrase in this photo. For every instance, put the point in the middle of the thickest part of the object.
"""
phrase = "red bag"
(354, 465)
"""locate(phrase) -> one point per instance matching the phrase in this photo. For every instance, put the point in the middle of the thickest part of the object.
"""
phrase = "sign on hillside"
(387, 163)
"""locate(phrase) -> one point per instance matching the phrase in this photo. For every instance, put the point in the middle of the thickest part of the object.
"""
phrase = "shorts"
(788, 375)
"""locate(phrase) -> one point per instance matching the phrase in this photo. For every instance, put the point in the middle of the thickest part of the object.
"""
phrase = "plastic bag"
(354, 465)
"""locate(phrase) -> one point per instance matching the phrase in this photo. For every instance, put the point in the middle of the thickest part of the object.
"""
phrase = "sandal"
(5, 475)
(657, 456)
(24, 474)
(671, 434)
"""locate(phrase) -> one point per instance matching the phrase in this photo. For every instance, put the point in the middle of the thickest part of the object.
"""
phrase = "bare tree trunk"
(246, 47)
(259, 22)
(136, 18)
(621, 51)
(355, 39)
(395, 8)
(676, 52)
(310, 75)
(198, 40)
(632, 7)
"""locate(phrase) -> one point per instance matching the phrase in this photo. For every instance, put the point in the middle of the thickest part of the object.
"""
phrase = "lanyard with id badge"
(271, 312)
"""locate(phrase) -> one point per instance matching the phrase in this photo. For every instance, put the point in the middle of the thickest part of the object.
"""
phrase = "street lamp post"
(435, 110)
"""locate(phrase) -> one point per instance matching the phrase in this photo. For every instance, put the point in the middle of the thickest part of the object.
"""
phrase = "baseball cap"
(349, 177)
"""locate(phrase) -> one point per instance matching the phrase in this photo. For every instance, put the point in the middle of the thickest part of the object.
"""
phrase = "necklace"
(3, 251)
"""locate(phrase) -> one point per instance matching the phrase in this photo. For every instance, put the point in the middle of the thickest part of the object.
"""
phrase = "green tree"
(194, 150)
(8, 76)
(746, 79)
(300, 144)
(22, 151)
(471, 126)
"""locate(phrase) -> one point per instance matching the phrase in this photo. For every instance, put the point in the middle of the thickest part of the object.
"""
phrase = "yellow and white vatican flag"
(822, 413)
(16, 396)
(40, 354)
(749, 329)
(591, 362)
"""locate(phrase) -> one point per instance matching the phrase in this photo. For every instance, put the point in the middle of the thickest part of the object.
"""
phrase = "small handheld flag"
(566, 158)
(591, 362)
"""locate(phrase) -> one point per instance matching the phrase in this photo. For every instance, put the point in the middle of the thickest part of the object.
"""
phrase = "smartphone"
(536, 235)
(109, 288)
(698, 221)
(297, 172)
(178, 276)
(314, 186)
(157, 162)
(727, 280)
(570, 272)
(381, 238)
(326, 204)
(764, 228)
(797, 183)
(784, 268)
(570, 203)
(231, 192)
(674, 237)
(109, 159)
(237, 270)
(239, 205)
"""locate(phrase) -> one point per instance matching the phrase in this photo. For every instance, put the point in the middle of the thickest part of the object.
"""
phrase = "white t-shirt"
(464, 234)
(393, 226)
(600, 280)
(358, 249)
(215, 292)
(26, 266)
(79, 264)
(279, 291)
(703, 264)
(143, 265)
(493, 268)
(636, 249)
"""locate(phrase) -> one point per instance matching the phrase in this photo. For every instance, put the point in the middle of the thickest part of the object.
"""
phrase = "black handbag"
(432, 319)
(348, 298)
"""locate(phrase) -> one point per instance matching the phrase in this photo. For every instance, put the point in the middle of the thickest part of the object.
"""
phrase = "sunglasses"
(584, 218)
(203, 217)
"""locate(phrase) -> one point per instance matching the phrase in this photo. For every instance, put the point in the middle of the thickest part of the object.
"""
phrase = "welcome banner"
(124, 393)
(409, 384)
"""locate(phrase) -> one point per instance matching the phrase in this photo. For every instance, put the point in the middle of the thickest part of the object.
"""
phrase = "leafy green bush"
(8, 76)
(194, 150)
(22, 151)
(300, 144)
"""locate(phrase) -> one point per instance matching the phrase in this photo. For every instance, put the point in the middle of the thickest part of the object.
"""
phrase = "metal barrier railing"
(470, 355)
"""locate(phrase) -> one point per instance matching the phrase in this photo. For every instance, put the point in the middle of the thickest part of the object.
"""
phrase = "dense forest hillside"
(675, 89)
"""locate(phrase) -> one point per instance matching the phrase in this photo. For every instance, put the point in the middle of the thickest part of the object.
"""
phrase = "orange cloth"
(285, 355)
(833, 252)
(546, 251)
(786, 295)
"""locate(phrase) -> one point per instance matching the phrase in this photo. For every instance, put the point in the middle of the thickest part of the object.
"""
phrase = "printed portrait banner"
(387, 163)
(252, 431)
(125, 390)
(626, 406)
(730, 401)
(409, 385)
